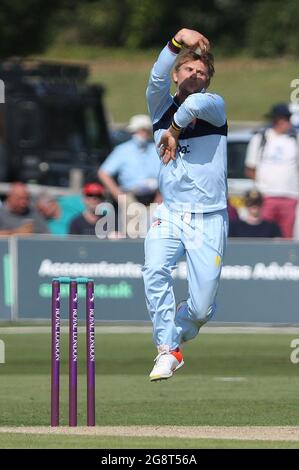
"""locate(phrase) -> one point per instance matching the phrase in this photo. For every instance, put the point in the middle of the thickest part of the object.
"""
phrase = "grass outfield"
(249, 86)
(228, 380)
(35, 441)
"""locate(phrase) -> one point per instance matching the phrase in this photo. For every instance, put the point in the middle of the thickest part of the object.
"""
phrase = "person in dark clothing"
(232, 212)
(254, 225)
(85, 223)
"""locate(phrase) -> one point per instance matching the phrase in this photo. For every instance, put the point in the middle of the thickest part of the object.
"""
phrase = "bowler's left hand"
(168, 145)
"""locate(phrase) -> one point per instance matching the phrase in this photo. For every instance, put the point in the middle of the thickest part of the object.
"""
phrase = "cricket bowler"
(190, 132)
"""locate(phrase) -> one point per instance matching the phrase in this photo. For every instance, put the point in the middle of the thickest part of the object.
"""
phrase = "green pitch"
(228, 380)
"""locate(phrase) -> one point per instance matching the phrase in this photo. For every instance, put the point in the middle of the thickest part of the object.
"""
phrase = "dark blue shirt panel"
(199, 128)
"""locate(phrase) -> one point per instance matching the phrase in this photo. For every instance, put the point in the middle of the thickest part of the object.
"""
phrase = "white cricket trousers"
(202, 238)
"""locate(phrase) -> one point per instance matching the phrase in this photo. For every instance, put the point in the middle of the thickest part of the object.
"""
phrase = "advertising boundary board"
(5, 280)
(259, 282)
(259, 279)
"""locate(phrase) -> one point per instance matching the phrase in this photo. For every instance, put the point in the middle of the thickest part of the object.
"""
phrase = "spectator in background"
(17, 216)
(59, 212)
(254, 225)
(84, 224)
(3, 153)
(232, 212)
(272, 160)
(134, 163)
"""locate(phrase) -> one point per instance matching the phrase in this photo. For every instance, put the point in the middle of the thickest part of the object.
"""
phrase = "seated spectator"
(134, 163)
(3, 150)
(84, 224)
(59, 212)
(254, 225)
(17, 216)
(232, 212)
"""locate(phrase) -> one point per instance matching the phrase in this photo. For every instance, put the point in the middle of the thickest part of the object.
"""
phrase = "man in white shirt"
(272, 161)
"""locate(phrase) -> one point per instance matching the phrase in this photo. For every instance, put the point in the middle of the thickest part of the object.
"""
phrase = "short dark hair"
(206, 58)
(253, 198)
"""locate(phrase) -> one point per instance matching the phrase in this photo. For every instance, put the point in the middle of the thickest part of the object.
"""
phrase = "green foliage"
(146, 23)
(274, 29)
(263, 28)
(23, 26)
(222, 21)
(102, 22)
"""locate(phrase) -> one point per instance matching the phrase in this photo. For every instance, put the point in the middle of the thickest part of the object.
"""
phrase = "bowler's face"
(191, 77)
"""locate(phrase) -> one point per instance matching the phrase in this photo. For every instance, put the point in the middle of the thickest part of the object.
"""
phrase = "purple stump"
(55, 353)
(90, 353)
(73, 352)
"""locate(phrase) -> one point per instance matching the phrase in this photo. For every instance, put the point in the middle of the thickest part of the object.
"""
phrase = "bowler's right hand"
(192, 39)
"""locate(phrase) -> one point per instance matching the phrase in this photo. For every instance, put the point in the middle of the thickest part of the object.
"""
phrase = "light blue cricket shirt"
(134, 163)
(197, 180)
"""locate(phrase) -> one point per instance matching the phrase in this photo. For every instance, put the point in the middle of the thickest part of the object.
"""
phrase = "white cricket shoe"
(166, 363)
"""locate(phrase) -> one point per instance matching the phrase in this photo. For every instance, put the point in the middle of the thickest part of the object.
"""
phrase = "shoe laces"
(161, 358)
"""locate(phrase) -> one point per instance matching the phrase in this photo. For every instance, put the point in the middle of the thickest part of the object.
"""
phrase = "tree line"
(262, 28)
